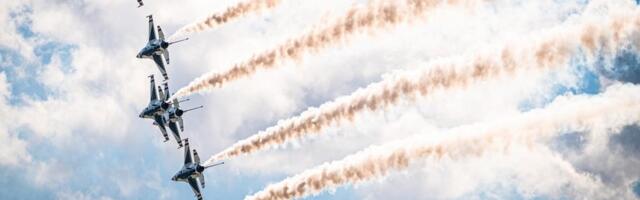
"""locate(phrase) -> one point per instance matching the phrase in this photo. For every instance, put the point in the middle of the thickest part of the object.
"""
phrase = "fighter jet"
(156, 108)
(140, 4)
(192, 170)
(157, 47)
(173, 115)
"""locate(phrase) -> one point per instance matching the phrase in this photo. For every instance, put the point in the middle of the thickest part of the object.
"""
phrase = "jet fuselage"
(191, 170)
(154, 108)
(154, 47)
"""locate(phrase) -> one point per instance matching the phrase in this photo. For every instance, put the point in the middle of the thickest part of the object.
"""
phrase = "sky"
(71, 90)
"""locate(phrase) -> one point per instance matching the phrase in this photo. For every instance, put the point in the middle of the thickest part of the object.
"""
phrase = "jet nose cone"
(139, 55)
(174, 178)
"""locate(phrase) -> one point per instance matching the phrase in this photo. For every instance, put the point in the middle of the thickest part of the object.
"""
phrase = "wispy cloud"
(613, 109)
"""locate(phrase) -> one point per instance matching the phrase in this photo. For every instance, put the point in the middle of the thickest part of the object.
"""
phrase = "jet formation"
(165, 113)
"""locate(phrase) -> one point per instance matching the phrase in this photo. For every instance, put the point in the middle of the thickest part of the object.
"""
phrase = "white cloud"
(13, 151)
(49, 174)
(77, 195)
(99, 100)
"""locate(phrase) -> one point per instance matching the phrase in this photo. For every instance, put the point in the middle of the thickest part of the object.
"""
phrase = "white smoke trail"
(592, 38)
(239, 10)
(375, 15)
(618, 106)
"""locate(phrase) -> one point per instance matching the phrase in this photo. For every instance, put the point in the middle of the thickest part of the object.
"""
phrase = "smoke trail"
(550, 52)
(231, 13)
(618, 106)
(377, 14)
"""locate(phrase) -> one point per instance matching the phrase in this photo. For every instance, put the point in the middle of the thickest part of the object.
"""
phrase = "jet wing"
(152, 32)
(201, 179)
(181, 124)
(154, 95)
(160, 33)
(166, 51)
(194, 186)
(174, 129)
(166, 55)
(160, 123)
(196, 158)
(167, 94)
(161, 93)
(158, 60)
(187, 153)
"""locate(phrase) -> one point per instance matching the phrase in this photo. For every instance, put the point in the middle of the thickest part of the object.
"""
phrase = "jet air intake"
(199, 168)
(179, 112)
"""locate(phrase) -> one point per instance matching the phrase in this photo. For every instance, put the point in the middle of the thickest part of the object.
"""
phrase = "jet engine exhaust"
(613, 109)
(591, 39)
(376, 15)
(231, 13)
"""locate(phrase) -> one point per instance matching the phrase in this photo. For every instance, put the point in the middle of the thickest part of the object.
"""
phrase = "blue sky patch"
(15, 186)
(22, 77)
(46, 52)
(502, 191)
(626, 67)
(589, 83)
(99, 165)
(22, 73)
(22, 18)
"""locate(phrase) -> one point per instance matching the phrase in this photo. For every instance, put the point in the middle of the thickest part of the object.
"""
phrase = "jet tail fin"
(176, 103)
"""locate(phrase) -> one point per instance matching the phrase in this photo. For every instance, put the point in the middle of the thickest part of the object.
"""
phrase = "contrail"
(239, 10)
(546, 53)
(613, 109)
(377, 14)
